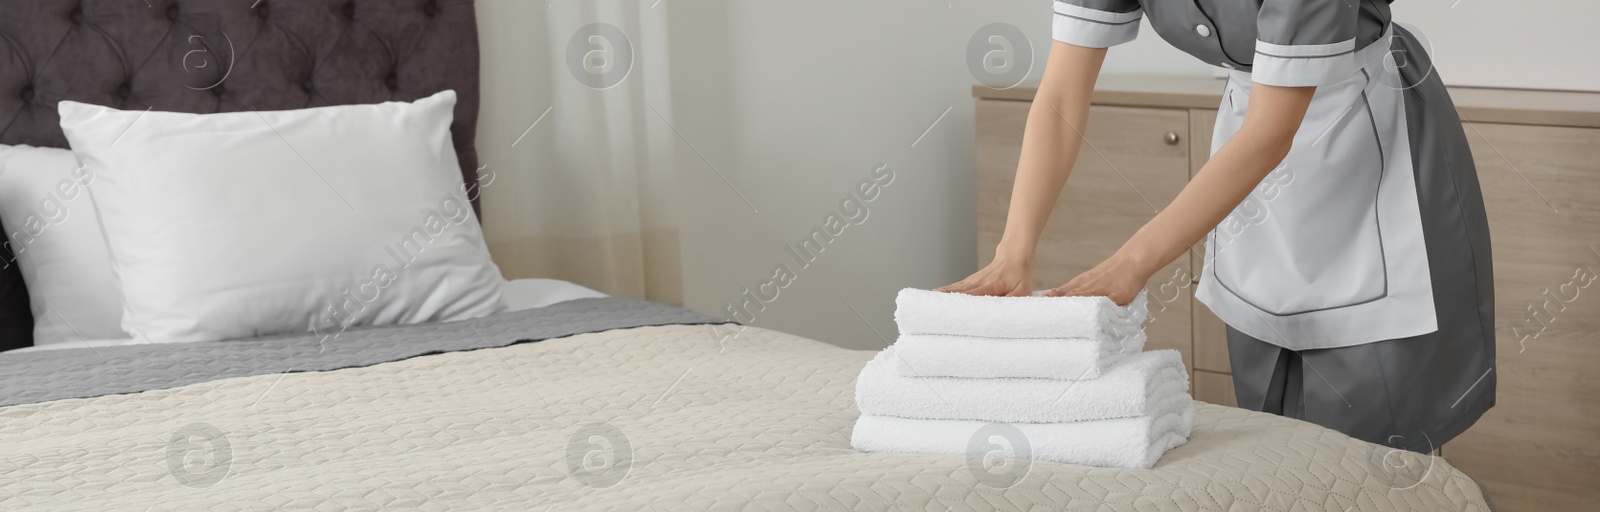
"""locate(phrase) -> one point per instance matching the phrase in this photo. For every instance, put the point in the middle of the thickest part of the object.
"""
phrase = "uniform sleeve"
(1096, 23)
(1302, 43)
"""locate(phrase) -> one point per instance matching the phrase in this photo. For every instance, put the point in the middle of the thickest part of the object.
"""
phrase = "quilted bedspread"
(654, 417)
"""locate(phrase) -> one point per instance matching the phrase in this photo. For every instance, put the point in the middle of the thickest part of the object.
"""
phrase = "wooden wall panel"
(1125, 172)
(1210, 338)
(1539, 448)
(1215, 388)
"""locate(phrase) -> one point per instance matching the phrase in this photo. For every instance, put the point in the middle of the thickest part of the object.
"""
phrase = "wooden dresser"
(1538, 158)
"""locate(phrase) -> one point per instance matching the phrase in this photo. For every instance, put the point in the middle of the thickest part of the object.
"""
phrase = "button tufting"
(349, 10)
(217, 90)
(172, 12)
(124, 90)
(392, 81)
(306, 86)
(263, 10)
(430, 9)
(27, 93)
(76, 15)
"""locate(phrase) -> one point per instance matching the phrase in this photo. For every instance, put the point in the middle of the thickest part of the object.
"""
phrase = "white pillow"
(55, 234)
(234, 225)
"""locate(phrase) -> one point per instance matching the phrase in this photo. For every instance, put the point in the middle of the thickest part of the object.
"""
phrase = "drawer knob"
(1171, 138)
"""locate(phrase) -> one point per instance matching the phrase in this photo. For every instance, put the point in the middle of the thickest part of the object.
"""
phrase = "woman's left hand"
(1116, 278)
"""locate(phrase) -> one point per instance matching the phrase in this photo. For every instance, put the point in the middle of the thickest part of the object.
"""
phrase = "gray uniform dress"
(1356, 280)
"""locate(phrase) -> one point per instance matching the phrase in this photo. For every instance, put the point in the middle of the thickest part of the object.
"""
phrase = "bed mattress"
(592, 404)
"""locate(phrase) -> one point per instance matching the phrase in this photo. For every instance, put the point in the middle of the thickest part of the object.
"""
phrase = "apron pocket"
(1307, 238)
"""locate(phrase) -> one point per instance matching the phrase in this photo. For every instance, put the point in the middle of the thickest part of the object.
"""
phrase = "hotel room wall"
(779, 109)
(1533, 44)
(796, 104)
(583, 175)
(791, 116)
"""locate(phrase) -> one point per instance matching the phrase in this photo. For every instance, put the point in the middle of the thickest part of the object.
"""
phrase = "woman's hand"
(1118, 278)
(1050, 143)
(1003, 277)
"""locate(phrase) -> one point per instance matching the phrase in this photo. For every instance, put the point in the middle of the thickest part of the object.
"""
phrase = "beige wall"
(797, 102)
(1528, 44)
(575, 166)
(516, 88)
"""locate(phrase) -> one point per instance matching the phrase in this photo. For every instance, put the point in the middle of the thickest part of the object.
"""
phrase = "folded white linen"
(1120, 443)
(1143, 384)
(935, 355)
(958, 314)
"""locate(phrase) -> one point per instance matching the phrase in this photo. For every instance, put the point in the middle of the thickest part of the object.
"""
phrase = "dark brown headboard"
(207, 56)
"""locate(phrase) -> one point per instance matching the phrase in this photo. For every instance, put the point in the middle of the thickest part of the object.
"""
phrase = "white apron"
(1328, 251)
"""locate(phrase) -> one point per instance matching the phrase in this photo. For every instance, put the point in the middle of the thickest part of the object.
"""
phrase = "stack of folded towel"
(1068, 372)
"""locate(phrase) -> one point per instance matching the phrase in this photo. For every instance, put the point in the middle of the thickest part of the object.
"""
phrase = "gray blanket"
(34, 377)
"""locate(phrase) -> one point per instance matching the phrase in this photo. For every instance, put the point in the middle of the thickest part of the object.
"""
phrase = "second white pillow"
(55, 235)
(235, 225)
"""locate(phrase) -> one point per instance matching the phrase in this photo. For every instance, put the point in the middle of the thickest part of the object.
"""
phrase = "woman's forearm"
(1050, 145)
(1227, 178)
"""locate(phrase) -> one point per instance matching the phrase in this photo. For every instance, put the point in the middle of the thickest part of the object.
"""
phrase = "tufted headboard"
(207, 56)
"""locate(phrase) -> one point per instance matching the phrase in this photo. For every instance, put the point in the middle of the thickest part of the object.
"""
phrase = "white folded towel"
(934, 355)
(1119, 443)
(1143, 384)
(958, 314)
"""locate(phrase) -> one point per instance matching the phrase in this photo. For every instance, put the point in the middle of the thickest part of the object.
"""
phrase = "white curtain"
(575, 97)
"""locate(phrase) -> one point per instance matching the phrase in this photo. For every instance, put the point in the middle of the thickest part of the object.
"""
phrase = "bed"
(570, 401)
(588, 404)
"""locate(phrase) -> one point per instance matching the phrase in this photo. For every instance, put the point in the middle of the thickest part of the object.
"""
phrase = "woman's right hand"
(1002, 277)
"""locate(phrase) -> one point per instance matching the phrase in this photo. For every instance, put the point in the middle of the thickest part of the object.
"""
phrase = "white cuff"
(1093, 28)
(1304, 65)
